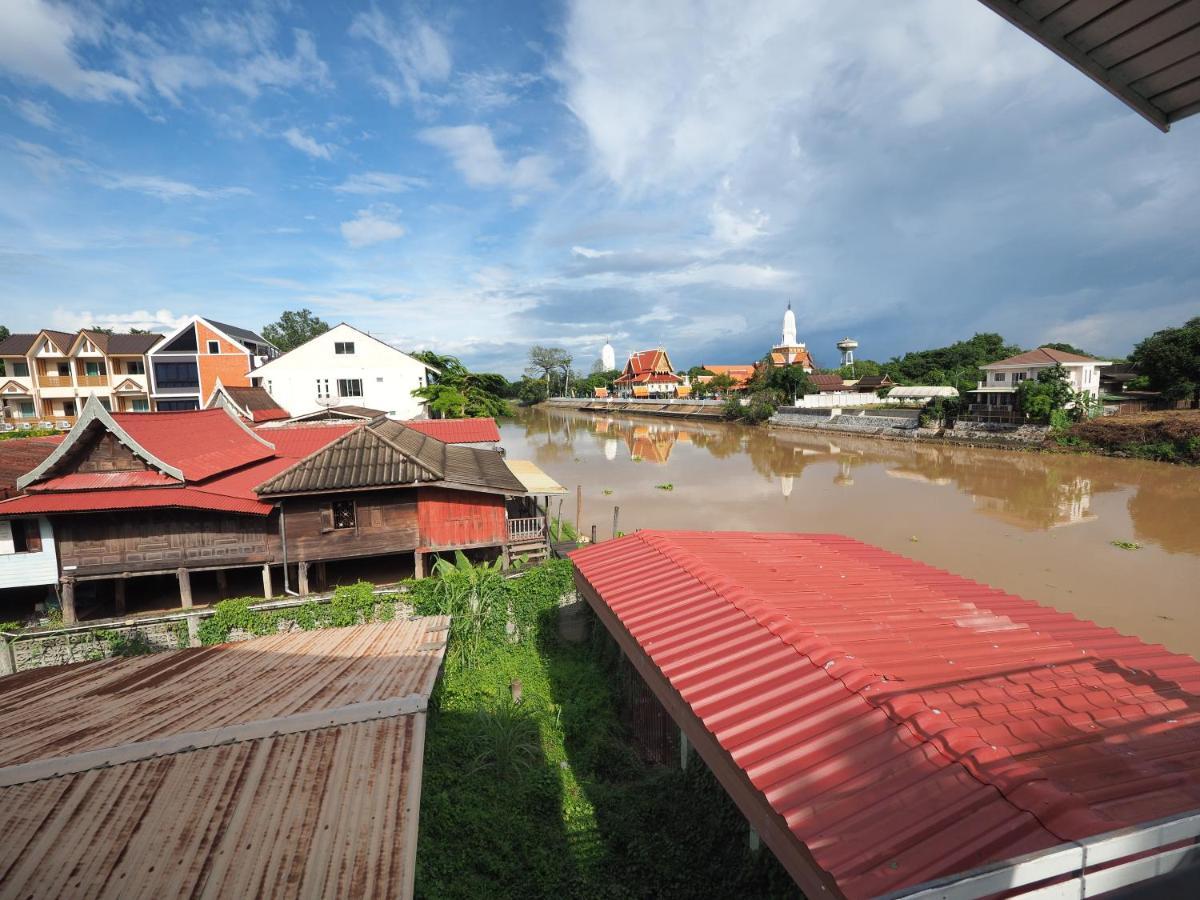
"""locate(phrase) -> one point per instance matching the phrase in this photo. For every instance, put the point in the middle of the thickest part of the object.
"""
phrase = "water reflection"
(1033, 492)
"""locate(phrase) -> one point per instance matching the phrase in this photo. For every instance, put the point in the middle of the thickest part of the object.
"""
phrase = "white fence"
(833, 401)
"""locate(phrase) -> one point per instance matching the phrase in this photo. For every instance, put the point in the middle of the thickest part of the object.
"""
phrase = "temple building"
(790, 352)
(608, 357)
(649, 374)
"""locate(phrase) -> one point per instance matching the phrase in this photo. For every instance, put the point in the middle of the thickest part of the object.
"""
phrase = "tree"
(957, 365)
(1171, 360)
(1039, 398)
(293, 329)
(1066, 348)
(139, 331)
(699, 370)
(455, 392)
(4, 333)
(99, 330)
(544, 361)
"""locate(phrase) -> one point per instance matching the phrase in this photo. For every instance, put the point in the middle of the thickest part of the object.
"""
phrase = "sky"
(478, 177)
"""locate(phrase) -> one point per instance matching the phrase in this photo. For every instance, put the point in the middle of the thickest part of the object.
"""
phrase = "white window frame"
(344, 386)
(209, 347)
(343, 348)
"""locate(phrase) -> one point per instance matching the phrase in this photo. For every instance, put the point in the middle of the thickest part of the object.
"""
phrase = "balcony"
(91, 380)
(55, 381)
(531, 530)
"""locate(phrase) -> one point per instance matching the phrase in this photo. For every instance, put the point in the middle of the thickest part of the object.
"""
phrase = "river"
(1037, 525)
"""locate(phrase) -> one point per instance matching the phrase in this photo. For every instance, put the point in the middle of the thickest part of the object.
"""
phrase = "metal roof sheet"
(284, 766)
(21, 455)
(126, 498)
(899, 722)
(200, 443)
(97, 481)
(534, 480)
(1146, 53)
(458, 431)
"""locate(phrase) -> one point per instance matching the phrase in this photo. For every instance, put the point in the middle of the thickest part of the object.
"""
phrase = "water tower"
(847, 346)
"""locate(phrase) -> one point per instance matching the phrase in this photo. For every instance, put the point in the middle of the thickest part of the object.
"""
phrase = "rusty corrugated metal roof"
(285, 766)
(899, 722)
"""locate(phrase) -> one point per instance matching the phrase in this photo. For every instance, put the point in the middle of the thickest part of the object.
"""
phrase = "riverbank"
(1167, 436)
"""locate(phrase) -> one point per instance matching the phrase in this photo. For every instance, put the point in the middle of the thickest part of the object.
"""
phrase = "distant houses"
(995, 399)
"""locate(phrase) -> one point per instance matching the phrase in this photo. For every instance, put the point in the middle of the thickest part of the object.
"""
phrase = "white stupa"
(789, 351)
(608, 357)
(789, 329)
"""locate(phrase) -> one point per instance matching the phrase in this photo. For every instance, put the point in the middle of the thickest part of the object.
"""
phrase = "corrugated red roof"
(21, 455)
(95, 481)
(298, 441)
(201, 443)
(904, 722)
(457, 431)
(141, 498)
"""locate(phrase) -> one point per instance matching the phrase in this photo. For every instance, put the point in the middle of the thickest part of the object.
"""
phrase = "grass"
(545, 798)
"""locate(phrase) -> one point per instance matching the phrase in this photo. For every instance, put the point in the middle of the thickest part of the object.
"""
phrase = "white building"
(996, 397)
(608, 357)
(345, 366)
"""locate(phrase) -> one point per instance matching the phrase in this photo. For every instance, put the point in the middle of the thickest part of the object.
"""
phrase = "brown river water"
(1037, 525)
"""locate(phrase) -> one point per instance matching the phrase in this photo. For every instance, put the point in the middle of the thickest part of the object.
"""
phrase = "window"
(64, 370)
(21, 369)
(350, 387)
(999, 376)
(135, 367)
(379, 380)
(343, 514)
(176, 375)
(20, 536)
(214, 346)
(322, 388)
(27, 409)
(174, 405)
(92, 369)
(1019, 376)
(68, 407)
(141, 404)
(343, 348)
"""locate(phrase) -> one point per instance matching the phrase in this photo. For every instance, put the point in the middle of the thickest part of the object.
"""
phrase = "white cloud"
(474, 153)
(589, 253)
(492, 89)
(307, 145)
(160, 321)
(379, 183)
(372, 226)
(416, 51)
(729, 227)
(34, 112)
(37, 43)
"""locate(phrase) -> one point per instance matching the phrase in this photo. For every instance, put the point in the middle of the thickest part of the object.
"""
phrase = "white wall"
(832, 401)
(388, 376)
(24, 569)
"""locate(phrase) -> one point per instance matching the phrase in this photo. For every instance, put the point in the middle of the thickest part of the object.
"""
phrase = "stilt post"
(268, 589)
(119, 595)
(68, 600)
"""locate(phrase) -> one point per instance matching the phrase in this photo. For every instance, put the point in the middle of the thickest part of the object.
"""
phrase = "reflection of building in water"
(1069, 503)
(610, 449)
(785, 484)
(651, 443)
(908, 475)
(845, 475)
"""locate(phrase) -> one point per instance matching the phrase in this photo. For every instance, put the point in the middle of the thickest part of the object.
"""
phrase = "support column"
(222, 584)
(268, 590)
(321, 578)
(684, 747)
(418, 564)
(185, 600)
(119, 595)
(68, 600)
(302, 577)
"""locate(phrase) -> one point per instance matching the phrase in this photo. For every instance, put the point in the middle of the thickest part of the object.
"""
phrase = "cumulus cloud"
(307, 145)
(416, 52)
(379, 183)
(372, 226)
(160, 321)
(474, 153)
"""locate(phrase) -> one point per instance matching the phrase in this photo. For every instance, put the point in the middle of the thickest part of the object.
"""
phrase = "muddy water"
(1037, 525)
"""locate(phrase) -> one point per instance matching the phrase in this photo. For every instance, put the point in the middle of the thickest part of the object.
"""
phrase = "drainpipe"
(283, 543)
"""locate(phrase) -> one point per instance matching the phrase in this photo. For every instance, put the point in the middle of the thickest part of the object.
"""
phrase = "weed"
(667, 486)
(508, 736)
(607, 492)
(1126, 545)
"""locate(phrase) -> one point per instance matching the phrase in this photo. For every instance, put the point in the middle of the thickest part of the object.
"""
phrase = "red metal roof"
(20, 455)
(141, 498)
(95, 481)
(457, 431)
(200, 443)
(298, 441)
(904, 722)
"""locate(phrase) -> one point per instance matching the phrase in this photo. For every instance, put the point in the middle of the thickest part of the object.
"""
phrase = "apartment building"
(49, 375)
(186, 366)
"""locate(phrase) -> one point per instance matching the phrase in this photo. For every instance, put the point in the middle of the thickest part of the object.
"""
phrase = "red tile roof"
(458, 431)
(1042, 356)
(740, 374)
(648, 366)
(904, 722)
(200, 443)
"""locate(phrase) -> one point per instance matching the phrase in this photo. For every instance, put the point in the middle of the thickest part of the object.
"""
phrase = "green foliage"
(562, 530)
(1066, 348)
(12, 626)
(350, 605)
(1059, 420)
(293, 328)
(1170, 359)
(1126, 545)
(699, 370)
(508, 739)
(32, 432)
(473, 596)
(455, 392)
(957, 365)
(761, 406)
(861, 368)
(127, 642)
(940, 410)
(1039, 398)
(552, 365)
(665, 487)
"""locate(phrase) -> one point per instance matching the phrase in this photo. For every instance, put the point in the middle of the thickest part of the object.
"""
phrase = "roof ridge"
(1026, 788)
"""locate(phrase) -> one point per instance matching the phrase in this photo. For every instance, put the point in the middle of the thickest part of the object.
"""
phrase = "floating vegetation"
(665, 487)
(607, 491)
(1126, 545)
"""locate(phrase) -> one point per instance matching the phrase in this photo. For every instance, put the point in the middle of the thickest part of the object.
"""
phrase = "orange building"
(187, 365)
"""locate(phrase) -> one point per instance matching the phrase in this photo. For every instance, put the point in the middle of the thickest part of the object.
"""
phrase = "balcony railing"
(525, 530)
(55, 381)
(91, 380)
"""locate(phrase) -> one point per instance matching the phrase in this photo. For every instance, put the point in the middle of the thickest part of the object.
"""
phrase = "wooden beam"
(418, 564)
(119, 596)
(68, 600)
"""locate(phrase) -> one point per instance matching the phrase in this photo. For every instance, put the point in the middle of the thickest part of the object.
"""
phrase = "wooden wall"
(104, 453)
(450, 518)
(149, 540)
(385, 522)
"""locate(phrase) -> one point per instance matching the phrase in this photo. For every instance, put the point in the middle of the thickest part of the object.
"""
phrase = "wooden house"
(202, 494)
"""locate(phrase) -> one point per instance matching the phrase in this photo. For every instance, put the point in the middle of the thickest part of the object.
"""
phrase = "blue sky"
(479, 177)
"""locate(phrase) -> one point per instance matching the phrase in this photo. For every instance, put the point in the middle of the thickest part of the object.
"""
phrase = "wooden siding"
(104, 453)
(157, 539)
(450, 518)
(385, 522)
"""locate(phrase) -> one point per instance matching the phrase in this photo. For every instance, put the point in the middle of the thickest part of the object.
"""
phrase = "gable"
(319, 354)
(129, 386)
(102, 452)
(183, 342)
(12, 387)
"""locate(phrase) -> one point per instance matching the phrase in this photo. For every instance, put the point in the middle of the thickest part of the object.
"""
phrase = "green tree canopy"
(1170, 359)
(553, 364)
(957, 365)
(293, 328)
(4, 332)
(1066, 348)
(455, 392)
(1041, 397)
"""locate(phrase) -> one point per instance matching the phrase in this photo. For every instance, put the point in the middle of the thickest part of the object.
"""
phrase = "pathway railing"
(527, 529)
